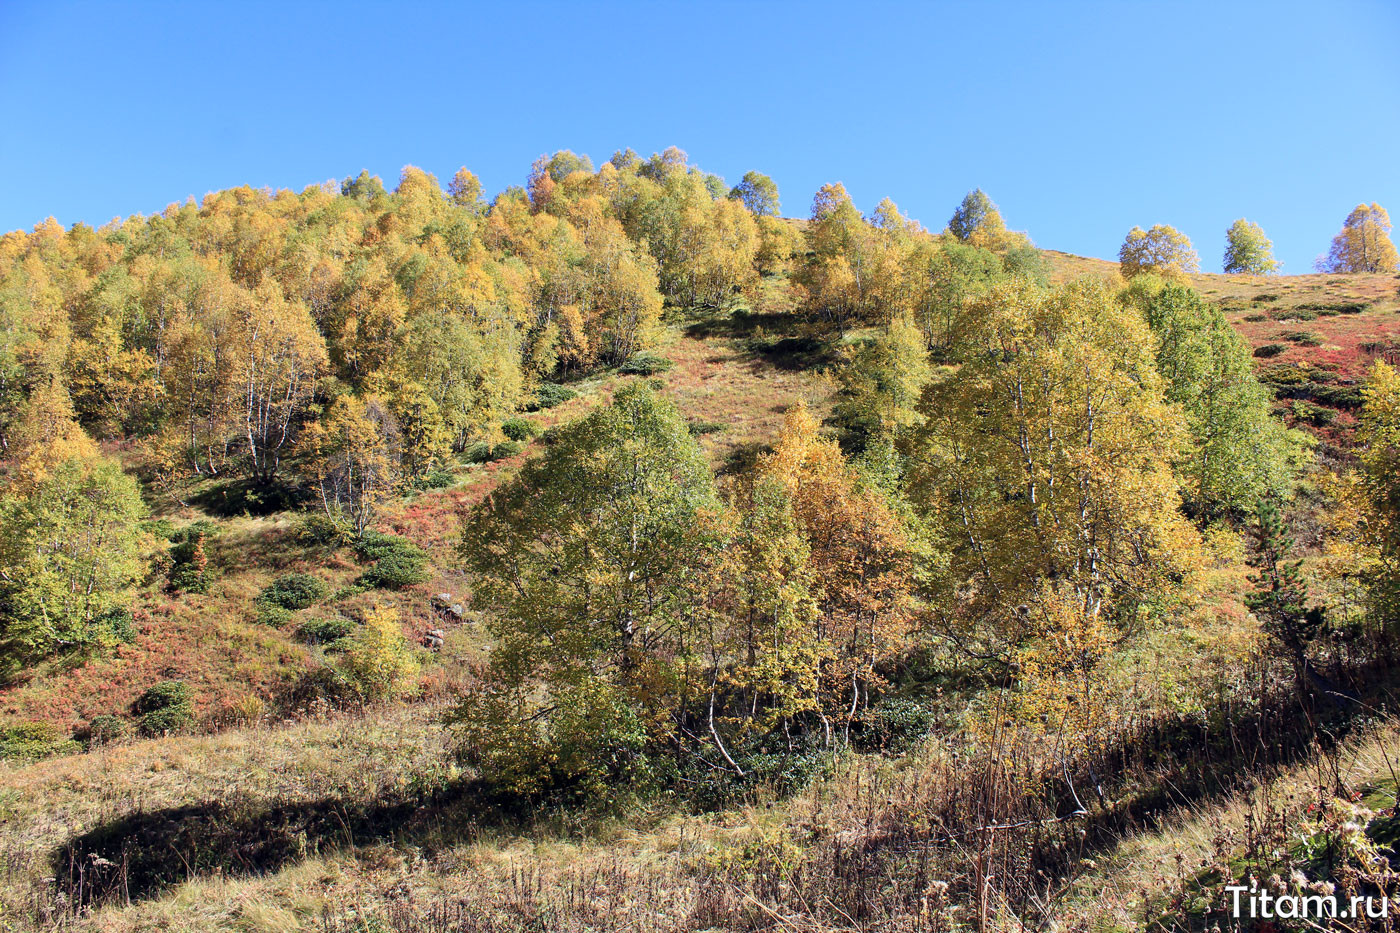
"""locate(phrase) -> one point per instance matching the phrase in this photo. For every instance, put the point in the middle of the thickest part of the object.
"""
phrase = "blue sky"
(1080, 119)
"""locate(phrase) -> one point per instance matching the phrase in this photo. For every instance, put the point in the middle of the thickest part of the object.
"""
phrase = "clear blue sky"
(1080, 119)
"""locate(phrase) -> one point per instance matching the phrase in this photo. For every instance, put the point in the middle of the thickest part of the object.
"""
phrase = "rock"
(444, 606)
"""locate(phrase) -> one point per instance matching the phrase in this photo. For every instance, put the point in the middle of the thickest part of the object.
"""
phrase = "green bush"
(188, 563)
(1315, 415)
(160, 528)
(325, 631)
(164, 708)
(550, 394)
(435, 479)
(1264, 298)
(1337, 307)
(29, 741)
(319, 529)
(1339, 396)
(893, 726)
(326, 686)
(1296, 314)
(105, 728)
(398, 562)
(166, 721)
(294, 591)
(519, 429)
(117, 625)
(273, 616)
(698, 428)
(165, 694)
(645, 363)
(481, 452)
(1256, 318)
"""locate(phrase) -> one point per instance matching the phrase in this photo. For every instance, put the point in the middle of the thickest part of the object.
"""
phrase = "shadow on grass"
(140, 855)
(784, 341)
(242, 497)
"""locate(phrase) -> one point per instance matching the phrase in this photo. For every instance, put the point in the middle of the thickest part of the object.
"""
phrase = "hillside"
(723, 380)
(1315, 335)
(619, 555)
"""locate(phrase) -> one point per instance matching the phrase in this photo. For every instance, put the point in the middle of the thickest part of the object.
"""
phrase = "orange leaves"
(859, 549)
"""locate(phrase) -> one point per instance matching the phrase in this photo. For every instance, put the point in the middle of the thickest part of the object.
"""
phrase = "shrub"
(1337, 307)
(398, 562)
(1270, 350)
(1264, 298)
(1304, 338)
(519, 429)
(273, 616)
(698, 428)
(326, 686)
(188, 562)
(1295, 314)
(105, 728)
(481, 452)
(591, 750)
(117, 625)
(1339, 396)
(645, 363)
(893, 726)
(435, 479)
(1256, 318)
(294, 591)
(548, 395)
(29, 741)
(378, 660)
(325, 631)
(317, 528)
(1315, 415)
(164, 708)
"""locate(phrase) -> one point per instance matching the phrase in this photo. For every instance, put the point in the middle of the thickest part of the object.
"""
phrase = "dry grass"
(1122, 884)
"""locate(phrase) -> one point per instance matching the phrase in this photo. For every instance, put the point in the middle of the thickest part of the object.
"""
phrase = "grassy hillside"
(355, 821)
(733, 385)
(1315, 335)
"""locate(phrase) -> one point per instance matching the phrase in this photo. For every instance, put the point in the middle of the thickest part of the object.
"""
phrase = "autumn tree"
(474, 378)
(1280, 598)
(975, 211)
(1240, 452)
(71, 554)
(1379, 439)
(280, 356)
(838, 274)
(881, 385)
(758, 193)
(1044, 470)
(1364, 244)
(1248, 251)
(584, 561)
(945, 278)
(378, 661)
(768, 637)
(861, 556)
(1162, 250)
(354, 452)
